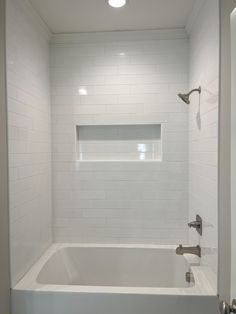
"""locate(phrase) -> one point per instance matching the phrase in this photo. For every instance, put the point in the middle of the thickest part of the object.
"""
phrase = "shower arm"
(195, 90)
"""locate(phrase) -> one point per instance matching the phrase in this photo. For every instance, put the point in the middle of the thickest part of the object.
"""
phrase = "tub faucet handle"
(197, 224)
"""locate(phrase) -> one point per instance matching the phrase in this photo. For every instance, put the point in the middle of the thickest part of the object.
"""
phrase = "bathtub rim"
(201, 275)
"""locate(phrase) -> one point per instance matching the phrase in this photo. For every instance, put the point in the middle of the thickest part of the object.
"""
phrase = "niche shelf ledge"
(139, 142)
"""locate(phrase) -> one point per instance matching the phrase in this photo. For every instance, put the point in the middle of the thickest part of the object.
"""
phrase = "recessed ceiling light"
(117, 3)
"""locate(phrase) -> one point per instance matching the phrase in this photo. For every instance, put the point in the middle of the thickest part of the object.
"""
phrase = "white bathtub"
(112, 279)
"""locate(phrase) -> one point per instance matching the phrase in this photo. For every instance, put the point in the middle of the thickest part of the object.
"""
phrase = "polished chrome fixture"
(196, 250)
(185, 97)
(197, 224)
(225, 308)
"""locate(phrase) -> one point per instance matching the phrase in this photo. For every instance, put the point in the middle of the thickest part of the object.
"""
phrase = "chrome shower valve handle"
(197, 224)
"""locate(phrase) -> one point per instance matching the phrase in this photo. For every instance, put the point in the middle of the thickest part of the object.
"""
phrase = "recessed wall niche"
(119, 142)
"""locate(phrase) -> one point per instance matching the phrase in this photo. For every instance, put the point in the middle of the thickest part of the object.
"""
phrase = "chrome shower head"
(185, 97)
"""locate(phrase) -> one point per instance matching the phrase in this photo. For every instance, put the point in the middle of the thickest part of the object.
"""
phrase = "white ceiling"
(69, 16)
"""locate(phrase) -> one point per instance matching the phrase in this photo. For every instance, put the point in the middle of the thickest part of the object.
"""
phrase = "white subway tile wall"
(110, 82)
(120, 83)
(203, 130)
(29, 138)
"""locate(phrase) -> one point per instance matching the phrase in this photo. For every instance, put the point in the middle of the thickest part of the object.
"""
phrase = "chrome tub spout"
(196, 250)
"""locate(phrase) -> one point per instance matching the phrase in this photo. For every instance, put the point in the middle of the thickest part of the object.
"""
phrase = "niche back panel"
(120, 84)
(119, 142)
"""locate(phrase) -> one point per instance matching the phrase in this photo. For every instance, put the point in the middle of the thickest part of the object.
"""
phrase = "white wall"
(4, 204)
(203, 130)
(128, 82)
(233, 152)
(29, 137)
